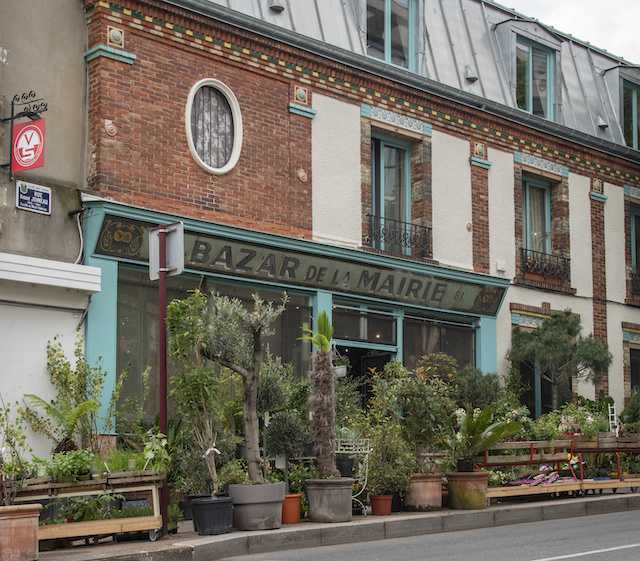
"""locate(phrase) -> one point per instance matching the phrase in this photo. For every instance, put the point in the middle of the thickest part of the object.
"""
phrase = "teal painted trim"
(109, 52)
(565, 171)
(480, 162)
(515, 318)
(427, 129)
(101, 329)
(101, 207)
(626, 336)
(487, 345)
(302, 110)
(400, 336)
(365, 110)
(323, 302)
(598, 197)
(517, 157)
(627, 190)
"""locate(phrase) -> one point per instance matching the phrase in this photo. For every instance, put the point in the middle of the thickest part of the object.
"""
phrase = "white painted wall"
(501, 214)
(614, 237)
(335, 149)
(451, 187)
(580, 234)
(40, 300)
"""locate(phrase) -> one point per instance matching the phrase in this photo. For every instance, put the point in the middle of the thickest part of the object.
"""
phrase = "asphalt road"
(608, 537)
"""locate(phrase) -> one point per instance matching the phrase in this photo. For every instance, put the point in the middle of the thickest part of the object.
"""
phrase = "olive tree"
(235, 339)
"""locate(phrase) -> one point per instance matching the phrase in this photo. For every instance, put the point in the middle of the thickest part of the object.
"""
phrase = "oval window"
(214, 126)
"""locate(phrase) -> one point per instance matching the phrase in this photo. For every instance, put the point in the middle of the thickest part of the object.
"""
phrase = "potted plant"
(74, 465)
(476, 431)
(229, 335)
(391, 461)
(18, 523)
(287, 436)
(329, 496)
(424, 400)
(196, 387)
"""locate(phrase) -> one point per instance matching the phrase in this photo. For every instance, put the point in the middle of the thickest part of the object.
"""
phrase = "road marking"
(594, 552)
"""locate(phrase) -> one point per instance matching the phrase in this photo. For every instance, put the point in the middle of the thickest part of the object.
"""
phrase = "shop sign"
(35, 198)
(28, 146)
(126, 238)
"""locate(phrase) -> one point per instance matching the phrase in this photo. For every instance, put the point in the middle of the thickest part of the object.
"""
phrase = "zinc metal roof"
(456, 41)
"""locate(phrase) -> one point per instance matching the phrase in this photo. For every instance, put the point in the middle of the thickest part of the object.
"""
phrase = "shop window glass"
(423, 336)
(352, 324)
(138, 331)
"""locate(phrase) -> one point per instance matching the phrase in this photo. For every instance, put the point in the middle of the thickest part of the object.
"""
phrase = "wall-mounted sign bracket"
(28, 106)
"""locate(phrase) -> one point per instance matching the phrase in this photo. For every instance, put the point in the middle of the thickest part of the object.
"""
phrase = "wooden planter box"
(116, 482)
(525, 452)
(584, 443)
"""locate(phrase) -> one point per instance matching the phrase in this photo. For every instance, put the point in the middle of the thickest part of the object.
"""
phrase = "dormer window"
(534, 79)
(389, 31)
(630, 95)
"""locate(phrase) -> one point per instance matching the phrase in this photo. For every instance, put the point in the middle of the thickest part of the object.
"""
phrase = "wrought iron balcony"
(400, 238)
(552, 266)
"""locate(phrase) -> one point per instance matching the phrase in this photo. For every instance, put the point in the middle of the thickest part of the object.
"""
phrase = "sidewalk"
(187, 545)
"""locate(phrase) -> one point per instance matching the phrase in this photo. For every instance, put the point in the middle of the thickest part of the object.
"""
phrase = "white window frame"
(237, 124)
(537, 48)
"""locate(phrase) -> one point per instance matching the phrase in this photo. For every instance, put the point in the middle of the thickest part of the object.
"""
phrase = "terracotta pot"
(425, 492)
(468, 490)
(19, 532)
(381, 504)
(291, 508)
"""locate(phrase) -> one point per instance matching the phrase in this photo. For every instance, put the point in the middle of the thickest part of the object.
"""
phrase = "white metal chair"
(360, 448)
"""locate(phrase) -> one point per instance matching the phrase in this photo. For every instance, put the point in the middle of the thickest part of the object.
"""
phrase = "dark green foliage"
(556, 351)
(631, 414)
(472, 388)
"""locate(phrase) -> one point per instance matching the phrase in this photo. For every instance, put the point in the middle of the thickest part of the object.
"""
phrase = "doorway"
(362, 363)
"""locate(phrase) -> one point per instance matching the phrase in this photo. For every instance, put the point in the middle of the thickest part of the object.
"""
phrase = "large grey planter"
(257, 507)
(330, 499)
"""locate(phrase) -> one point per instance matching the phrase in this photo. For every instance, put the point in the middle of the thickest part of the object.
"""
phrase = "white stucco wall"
(501, 215)
(580, 234)
(614, 237)
(451, 187)
(41, 300)
(335, 148)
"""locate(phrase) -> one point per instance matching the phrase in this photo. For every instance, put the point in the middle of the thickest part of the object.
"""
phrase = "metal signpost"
(166, 258)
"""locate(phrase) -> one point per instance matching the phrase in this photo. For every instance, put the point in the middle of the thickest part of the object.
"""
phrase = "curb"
(366, 529)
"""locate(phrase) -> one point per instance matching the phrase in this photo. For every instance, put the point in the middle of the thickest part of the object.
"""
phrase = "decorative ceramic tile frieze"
(631, 336)
(395, 119)
(540, 163)
(524, 320)
(632, 192)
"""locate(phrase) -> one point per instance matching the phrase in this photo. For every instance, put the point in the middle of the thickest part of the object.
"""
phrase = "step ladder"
(613, 419)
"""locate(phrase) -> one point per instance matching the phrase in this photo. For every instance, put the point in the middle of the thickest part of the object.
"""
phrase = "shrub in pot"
(73, 465)
(477, 430)
(391, 461)
(287, 436)
(18, 523)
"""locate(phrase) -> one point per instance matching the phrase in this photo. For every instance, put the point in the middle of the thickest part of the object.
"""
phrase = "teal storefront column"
(487, 345)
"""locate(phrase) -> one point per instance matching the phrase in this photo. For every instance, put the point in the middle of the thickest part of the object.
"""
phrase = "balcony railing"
(400, 238)
(552, 266)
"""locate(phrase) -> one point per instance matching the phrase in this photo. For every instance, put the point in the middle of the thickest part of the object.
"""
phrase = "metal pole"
(162, 359)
